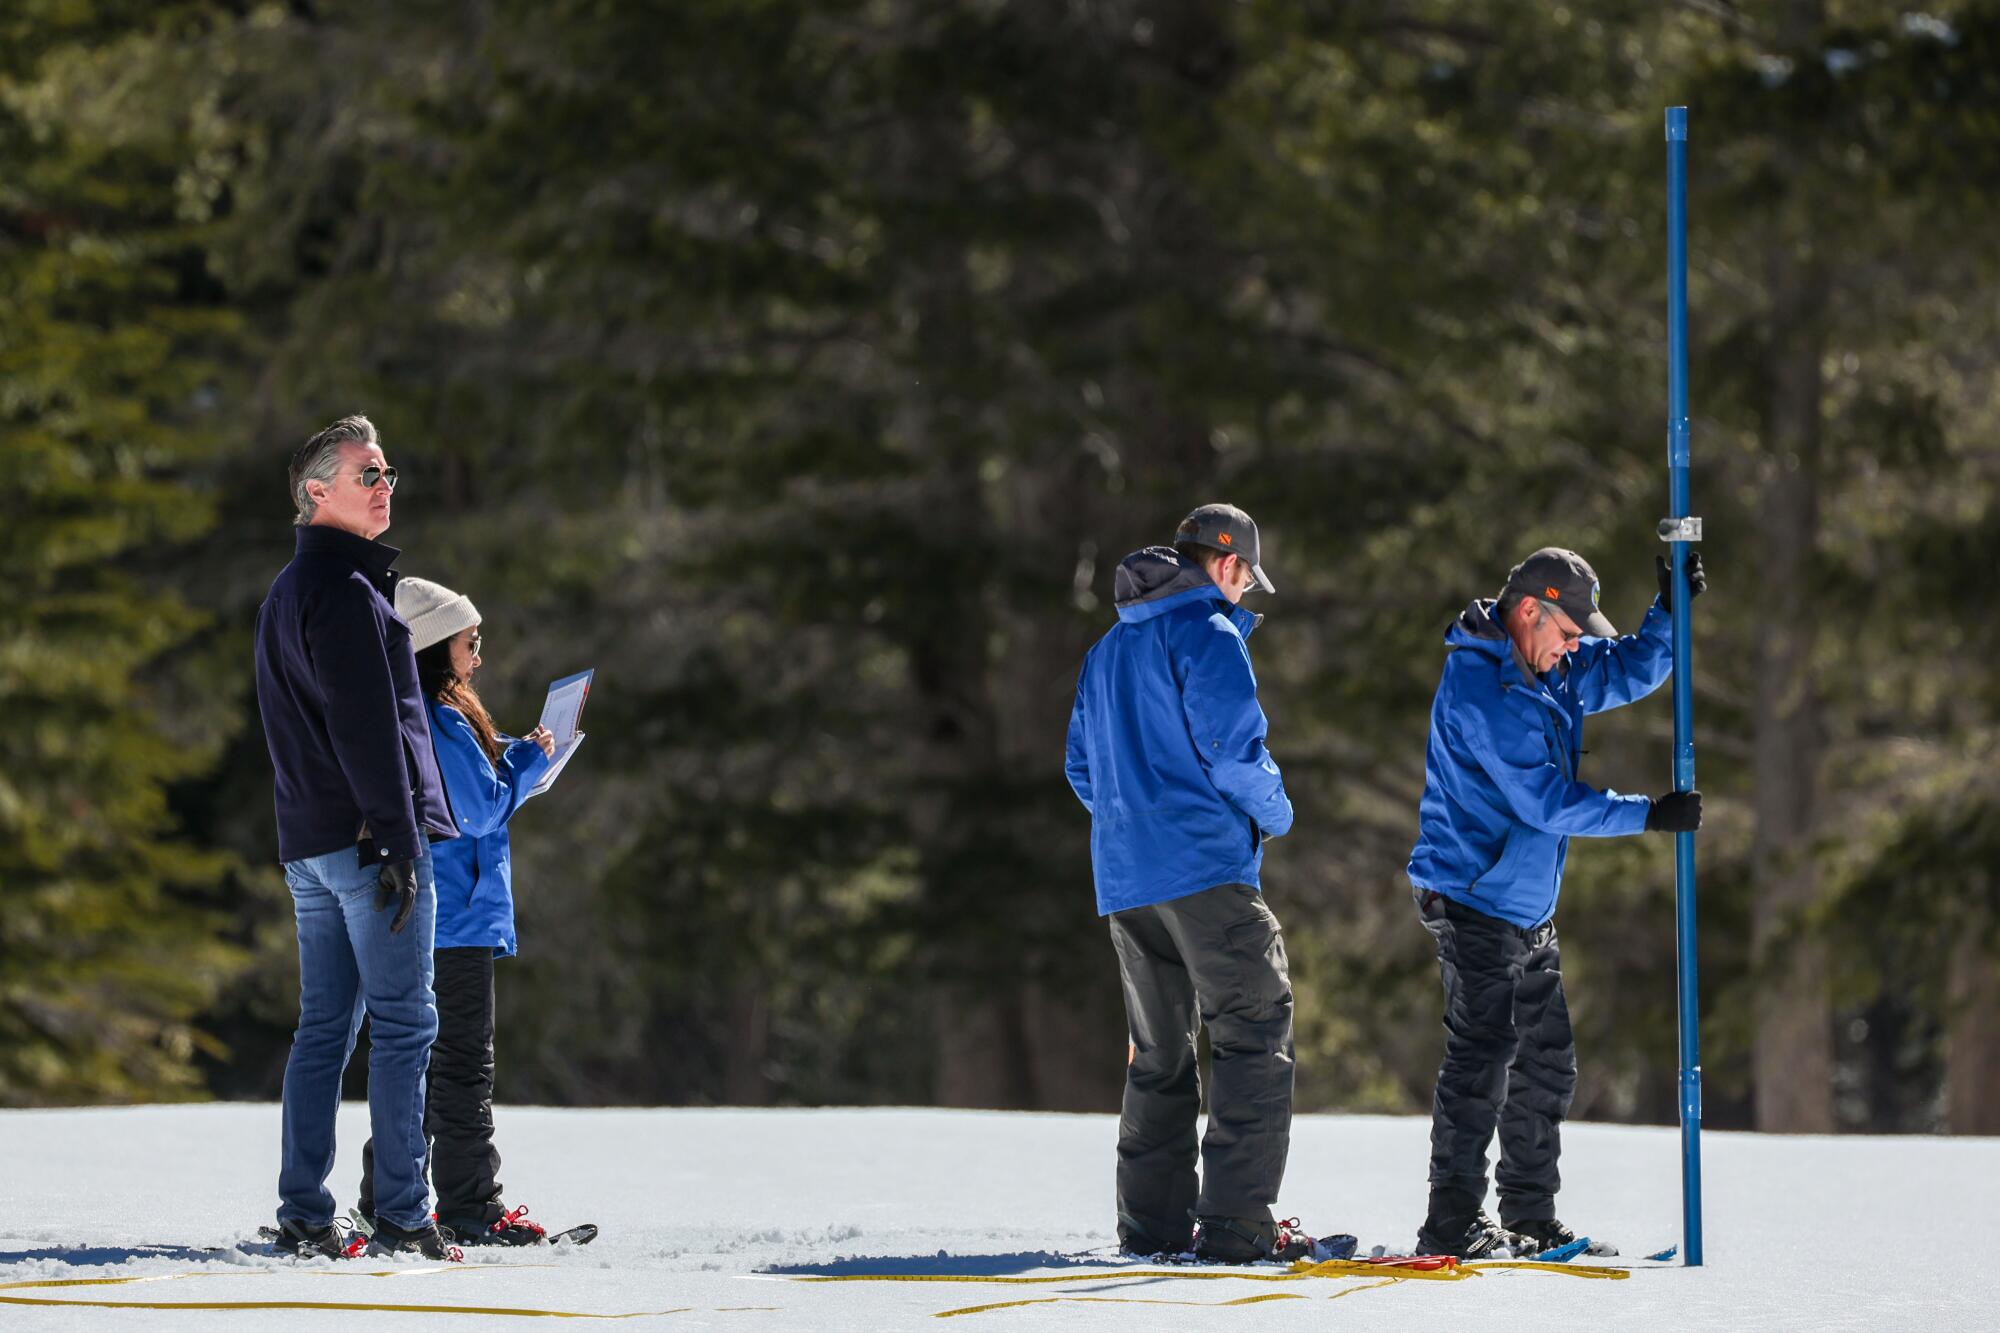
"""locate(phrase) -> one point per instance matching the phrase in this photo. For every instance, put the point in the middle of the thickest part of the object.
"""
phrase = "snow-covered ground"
(710, 1219)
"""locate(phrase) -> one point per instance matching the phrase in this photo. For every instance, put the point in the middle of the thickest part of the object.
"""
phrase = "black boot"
(1476, 1236)
(1546, 1232)
(424, 1240)
(1141, 1241)
(1243, 1240)
(504, 1227)
(1550, 1234)
(303, 1241)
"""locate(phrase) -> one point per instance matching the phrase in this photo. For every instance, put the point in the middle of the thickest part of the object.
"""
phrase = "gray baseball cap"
(1227, 529)
(1566, 579)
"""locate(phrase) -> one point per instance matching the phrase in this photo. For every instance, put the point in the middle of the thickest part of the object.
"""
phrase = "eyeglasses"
(474, 645)
(1550, 613)
(372, 474)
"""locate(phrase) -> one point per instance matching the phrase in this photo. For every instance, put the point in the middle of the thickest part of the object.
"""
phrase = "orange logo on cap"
(1226, 539)
(1552, 594)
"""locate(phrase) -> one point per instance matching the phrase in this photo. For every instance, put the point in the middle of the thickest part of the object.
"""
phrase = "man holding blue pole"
(1501, 800)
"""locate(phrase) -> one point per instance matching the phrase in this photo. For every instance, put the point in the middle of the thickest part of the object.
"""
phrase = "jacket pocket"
(1526, 868)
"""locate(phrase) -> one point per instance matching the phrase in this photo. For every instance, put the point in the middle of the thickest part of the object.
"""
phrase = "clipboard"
(561, 712)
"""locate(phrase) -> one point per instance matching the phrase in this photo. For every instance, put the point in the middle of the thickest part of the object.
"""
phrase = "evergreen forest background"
(806, 366)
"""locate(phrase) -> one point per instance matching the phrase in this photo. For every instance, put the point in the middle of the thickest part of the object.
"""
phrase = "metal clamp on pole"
(1680, 529)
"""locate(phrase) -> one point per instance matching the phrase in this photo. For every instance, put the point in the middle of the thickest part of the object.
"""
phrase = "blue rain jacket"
(1166, 741)
(1501, 795)
(475, 880)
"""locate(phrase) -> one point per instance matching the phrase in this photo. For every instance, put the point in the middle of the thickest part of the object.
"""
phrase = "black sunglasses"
(372, 474)
(1550, 608)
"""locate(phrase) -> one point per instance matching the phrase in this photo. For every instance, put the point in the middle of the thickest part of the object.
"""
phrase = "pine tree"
(106, 335)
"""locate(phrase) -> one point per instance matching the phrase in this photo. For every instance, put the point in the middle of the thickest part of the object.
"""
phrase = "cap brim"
(1599, 626)
(1263, 579)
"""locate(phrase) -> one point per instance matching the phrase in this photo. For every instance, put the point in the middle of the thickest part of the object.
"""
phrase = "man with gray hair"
(1502, 798)
(359, 800)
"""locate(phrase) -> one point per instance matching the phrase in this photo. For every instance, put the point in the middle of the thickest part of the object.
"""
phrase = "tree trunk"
(1972, 1040)
(745, 1081)
(1792, 1056)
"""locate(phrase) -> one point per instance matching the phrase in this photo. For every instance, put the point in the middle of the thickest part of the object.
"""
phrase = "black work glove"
(1697, 579)
(398, 884)
(1676, 812)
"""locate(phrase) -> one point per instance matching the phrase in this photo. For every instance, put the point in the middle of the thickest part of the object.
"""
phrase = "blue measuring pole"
(1679, 529)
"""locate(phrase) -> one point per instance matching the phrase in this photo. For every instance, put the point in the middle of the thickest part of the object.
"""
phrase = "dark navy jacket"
(346, 724)
(1166, 741)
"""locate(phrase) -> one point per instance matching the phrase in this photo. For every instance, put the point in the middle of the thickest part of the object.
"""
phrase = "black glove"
(398, 884)
(1676, 812)
(1697, 579)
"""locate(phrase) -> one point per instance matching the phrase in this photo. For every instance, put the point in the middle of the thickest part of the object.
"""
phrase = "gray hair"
(319, 458)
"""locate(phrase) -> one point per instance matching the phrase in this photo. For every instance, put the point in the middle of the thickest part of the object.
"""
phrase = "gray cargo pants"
(1217, 959)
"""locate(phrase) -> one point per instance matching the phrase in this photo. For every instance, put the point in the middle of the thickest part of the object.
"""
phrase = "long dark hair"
(438, 681)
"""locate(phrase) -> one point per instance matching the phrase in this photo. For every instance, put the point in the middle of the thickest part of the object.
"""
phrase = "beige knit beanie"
(433, 612)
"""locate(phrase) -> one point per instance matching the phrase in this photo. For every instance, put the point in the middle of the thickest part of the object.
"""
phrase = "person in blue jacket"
(487, 776)
(1167, 752)
(1502, 798)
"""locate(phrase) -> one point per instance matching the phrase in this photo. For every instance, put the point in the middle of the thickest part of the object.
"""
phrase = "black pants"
(1216, 958)
(1509, 1059)
(458, 1096)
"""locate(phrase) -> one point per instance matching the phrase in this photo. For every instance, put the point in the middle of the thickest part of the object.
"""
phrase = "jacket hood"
(1476, 628)
(1156, 580)
(1154, 573)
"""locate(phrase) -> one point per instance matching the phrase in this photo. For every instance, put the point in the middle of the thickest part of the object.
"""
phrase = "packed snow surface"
(714, 1218)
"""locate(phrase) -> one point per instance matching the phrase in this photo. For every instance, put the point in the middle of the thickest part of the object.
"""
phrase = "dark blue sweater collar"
(372, 556)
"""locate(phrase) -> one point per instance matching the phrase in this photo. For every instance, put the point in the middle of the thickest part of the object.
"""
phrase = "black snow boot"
(424, 1240)
(1243, 1240)
(1143, 1242)
(1550, 1234)
(311, 1242)
(1546, 1232)
(504, 1226)
(1474, 1236)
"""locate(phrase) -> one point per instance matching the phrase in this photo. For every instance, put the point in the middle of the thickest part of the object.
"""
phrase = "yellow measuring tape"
(1302, 1269)
(1385, 1275)
(385, 1306)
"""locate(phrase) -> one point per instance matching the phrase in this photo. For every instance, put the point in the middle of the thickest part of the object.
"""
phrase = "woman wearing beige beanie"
(486, 776)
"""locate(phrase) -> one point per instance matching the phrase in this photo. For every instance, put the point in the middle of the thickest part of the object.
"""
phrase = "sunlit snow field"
(714, 1218)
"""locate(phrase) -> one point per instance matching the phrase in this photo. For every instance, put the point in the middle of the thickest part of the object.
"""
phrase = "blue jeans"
(350, 965)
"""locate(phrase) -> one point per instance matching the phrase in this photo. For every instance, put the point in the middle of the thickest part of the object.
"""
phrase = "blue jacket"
(1501, 795)
(343, 717)
(1166, 741)
(475, 879)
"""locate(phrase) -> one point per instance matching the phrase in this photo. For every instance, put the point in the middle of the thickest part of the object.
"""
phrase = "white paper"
(560, 713)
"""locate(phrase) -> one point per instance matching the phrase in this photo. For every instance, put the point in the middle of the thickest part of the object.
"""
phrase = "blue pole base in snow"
(1691, 1164)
